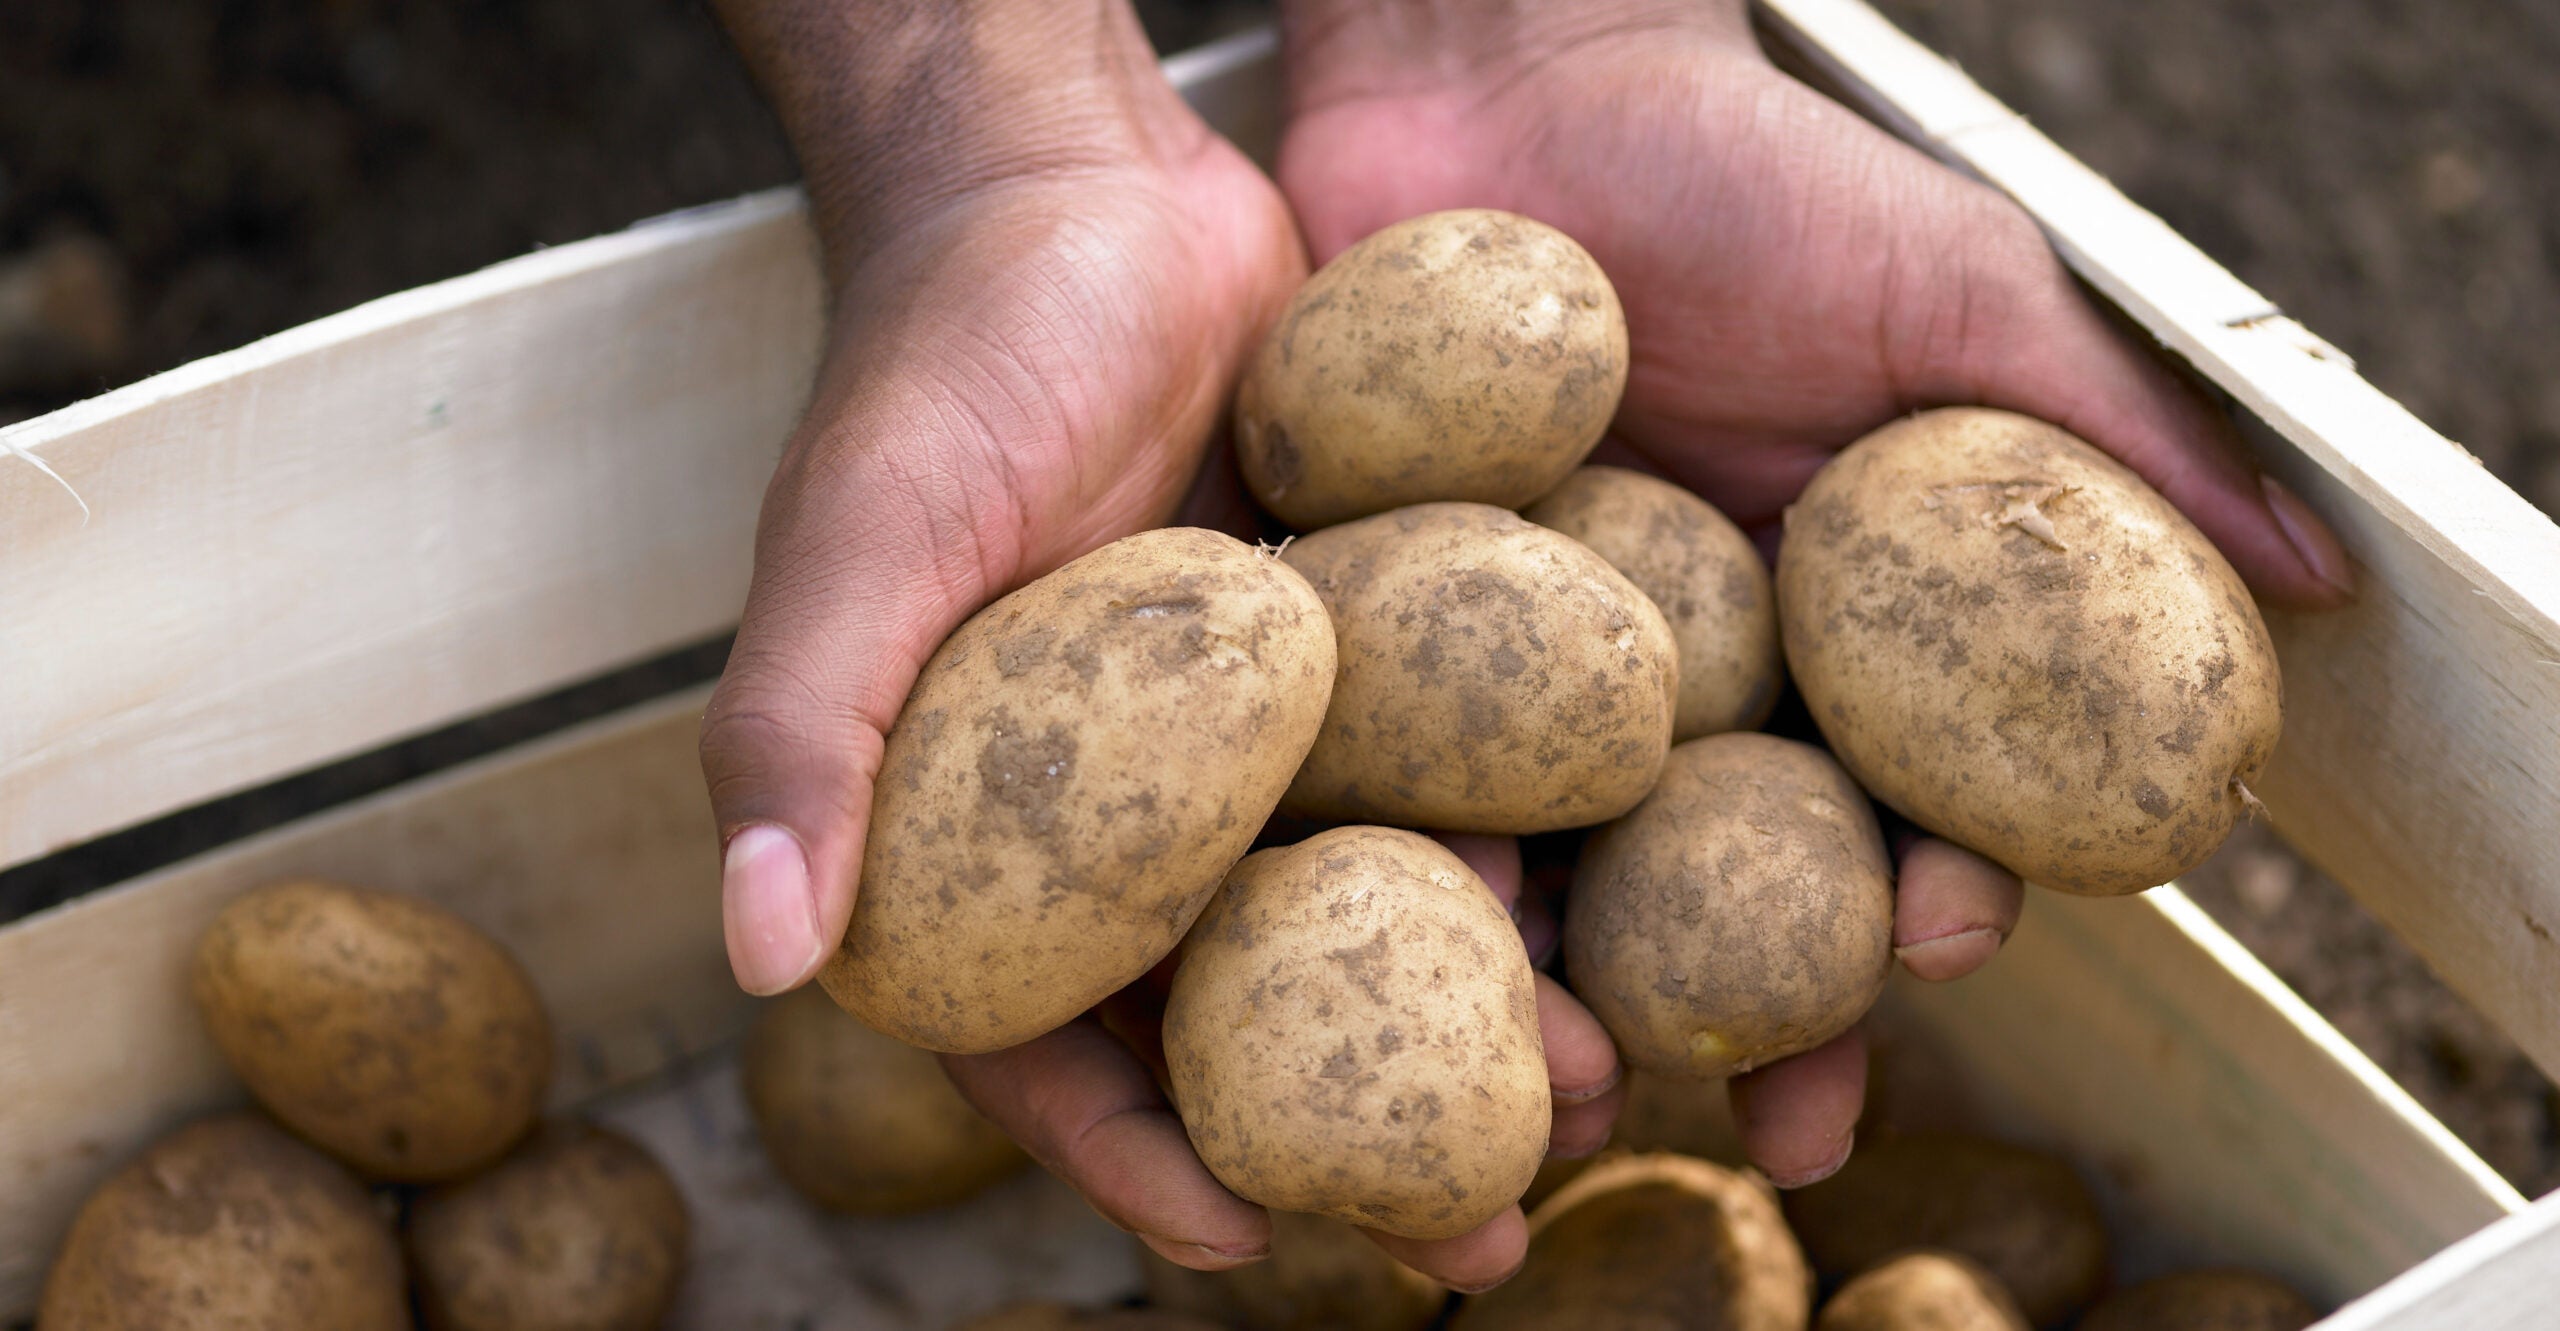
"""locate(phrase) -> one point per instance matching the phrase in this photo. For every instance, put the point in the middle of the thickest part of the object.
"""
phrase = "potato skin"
(1922, 1291)
(2215, 1300)
(861, 1123)
(1494, 676)
(1742, 913)
(1649, 1243)
(1074, 771)
(1322, 1275)
(1468, 355)
(227, 1224)
(1353, 1032)
(2023, 1215)
(1700, 571)
(579, 1230)
(383, 1029)
(2009, 638)
(1043, 1316)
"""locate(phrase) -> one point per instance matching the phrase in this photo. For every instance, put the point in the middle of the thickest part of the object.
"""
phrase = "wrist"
(896, 111)
(1338, 49)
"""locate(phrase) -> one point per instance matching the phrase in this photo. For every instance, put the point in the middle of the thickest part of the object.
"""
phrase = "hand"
(1046, 275)
(1792, 278)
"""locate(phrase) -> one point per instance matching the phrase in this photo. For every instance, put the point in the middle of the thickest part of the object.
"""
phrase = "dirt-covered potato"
(2023, 1215)
(2217, 1300)
(227, 1224)
(384, 1029)
(1353, 1032)
(1471, 355)
(1701, 572)
(1072, 774)
(1646, 1242)
(1923, 1291)
(2009, 638)
(578, 1230)
(1742, 913)
(1045, 1316)
(1494, 676)
(1322, 1275)
(859, 1122)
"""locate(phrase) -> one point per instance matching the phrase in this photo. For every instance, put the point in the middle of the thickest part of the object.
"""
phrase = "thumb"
(2029, 340)
(862, 567)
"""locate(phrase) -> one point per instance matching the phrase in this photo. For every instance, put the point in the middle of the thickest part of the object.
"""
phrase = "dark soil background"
(178, 177)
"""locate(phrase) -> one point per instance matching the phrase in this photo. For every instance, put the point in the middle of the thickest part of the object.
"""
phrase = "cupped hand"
(1792, 277)
(1033, 339)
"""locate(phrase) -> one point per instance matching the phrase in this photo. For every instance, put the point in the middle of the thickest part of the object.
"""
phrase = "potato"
(1044, 1316)
(1471, 355)
(579, 1229)
(1353, 1032)
(2220, 1300)
(384, 1029)
(2009, 638)
(1321, 1274)
(1923, 1291)
(1700, 571)
(859, 1122)
(1742, 913)
(1647, 1242)
(1495, 676)
(1072, 774)
(2024, 1216)
(227, 1224)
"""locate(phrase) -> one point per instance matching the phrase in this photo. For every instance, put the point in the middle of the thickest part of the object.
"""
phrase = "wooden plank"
(2421, 759)
(2223, 1119)
(414, 511)
(2497, 1280)
(591, 854)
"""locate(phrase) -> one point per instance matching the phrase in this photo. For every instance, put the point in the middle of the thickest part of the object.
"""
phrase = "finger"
(1582, 1072)
(1086, 1108)
(1798, 1116)
(1471, 1263)
(1495, 859)
(1952, 909)
(2030, 340)
(840, 617)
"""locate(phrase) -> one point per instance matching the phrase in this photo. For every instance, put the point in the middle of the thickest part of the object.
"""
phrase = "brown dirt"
(2386, 170)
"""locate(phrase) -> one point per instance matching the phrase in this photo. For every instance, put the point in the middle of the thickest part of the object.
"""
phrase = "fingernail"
(1951, 956)
(1829, 1167)
(1592, 1092)
(2310, 540)
(1481, 1286)
(1200, 1256)
(769, 911)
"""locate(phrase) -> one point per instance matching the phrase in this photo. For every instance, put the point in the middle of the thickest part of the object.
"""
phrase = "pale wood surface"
(591, 854)
(2421, 759)
(2223, 1120)
(417, 510)
(2497, 1280)
(2221, 1117)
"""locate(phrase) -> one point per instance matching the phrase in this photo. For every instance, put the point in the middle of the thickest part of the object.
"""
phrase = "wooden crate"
(467, 494)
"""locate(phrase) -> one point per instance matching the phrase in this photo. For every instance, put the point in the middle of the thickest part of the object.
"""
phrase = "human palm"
(1792, 276)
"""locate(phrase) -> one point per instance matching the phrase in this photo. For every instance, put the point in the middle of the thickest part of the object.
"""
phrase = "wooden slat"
(2224, 1119)
(2497, 1280)
(592, 855)
(417, 510)
(2421, 759)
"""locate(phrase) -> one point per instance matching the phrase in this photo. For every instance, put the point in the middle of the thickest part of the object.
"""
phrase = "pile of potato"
(1997, 631)
(388, 1042)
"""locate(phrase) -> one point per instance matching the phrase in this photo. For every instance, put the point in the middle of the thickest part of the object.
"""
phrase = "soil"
(200, 173)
